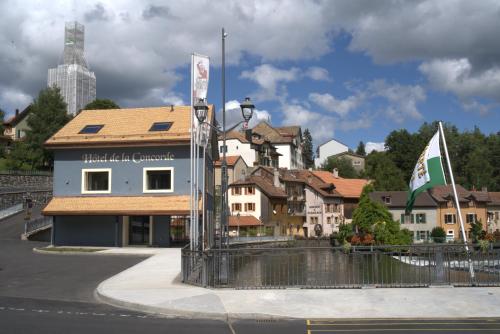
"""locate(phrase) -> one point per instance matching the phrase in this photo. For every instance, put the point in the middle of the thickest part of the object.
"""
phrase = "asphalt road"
(45, 293)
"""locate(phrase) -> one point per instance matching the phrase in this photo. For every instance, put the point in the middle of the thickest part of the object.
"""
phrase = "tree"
(476, 230)
(101, 104)
(369, 212)
(48, 115)
(438, 234)
(307, 150)
(386, 175)
(20, 157)
(361, 149)
(344, 166)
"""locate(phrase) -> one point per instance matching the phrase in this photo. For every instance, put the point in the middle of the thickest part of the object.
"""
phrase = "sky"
(349, 70)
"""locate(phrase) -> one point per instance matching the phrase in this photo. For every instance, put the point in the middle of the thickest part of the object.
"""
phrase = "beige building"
(237, 169)
(358, 161)
(420, 221)
(472, 207)
(15, 127)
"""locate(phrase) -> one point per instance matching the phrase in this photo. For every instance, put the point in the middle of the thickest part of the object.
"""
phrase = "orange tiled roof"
(350, 188)
(118, 205)
(244, 221)
(126, 126)
(231, 160)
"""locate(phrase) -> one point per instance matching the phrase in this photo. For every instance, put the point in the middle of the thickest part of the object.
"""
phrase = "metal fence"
(337, 267)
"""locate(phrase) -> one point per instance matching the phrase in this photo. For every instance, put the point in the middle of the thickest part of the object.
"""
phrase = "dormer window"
(386, 199)
(161, 126)
(91, 129)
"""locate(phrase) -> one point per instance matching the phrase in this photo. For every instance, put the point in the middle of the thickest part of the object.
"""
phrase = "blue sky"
(350, 70)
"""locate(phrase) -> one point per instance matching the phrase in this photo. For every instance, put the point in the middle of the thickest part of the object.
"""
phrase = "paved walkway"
(154, 286)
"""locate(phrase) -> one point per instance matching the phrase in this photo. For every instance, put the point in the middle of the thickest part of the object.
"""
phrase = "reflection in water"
(332, 268)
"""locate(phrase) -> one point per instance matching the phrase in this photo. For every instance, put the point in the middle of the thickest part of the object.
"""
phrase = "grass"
(71, 249)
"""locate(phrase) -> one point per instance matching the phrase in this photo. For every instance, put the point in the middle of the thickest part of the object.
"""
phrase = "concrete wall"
(126, 165)
(87, 231)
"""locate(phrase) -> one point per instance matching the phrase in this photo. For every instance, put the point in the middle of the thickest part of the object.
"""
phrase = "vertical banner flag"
(200, 69)
(428, 172)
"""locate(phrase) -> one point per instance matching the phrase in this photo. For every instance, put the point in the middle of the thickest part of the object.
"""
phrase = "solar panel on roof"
(91, 128)
(161, 126)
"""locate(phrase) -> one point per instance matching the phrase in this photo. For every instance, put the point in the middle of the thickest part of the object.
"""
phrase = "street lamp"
(247, 108)
(201, 110)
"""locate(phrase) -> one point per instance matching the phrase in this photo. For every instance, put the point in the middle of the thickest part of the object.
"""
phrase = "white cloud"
(321, 126)
(268, 78)
(373, 146)
(402, 99)
(318, 73)
(332, 104)
(12, 99)
(457, 76)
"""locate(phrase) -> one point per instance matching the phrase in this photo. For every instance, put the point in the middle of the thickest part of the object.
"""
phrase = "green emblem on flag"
(428, 172)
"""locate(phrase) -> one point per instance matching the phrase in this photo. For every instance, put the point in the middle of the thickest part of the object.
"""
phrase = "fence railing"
(337, 267)
(37, 224)
(26, 172)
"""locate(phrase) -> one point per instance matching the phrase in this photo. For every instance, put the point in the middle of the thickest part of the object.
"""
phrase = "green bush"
(438, 234)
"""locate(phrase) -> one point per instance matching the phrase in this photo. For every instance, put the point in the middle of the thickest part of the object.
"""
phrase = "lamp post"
(201, 111)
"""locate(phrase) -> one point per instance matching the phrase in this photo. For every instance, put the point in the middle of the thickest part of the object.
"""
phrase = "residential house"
(493, 207)
(253, 149)
(358, 161)
(16, 126)
(423, 217)
(122, 177)
(472, 207)
(349, 189)
(260, 197)
(288, 143)
(327, 149)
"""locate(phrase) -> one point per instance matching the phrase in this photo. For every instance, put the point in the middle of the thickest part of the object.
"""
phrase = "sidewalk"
(154, 286)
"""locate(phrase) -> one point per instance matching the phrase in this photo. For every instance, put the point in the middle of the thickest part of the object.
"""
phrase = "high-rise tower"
(73, 77)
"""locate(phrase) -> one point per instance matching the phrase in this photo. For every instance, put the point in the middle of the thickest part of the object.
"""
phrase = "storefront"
(121, 177)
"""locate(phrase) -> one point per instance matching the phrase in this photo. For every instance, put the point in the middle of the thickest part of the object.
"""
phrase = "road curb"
(97, 253)
(156, 310)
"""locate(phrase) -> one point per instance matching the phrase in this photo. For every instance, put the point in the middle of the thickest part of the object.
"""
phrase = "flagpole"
(457, 202)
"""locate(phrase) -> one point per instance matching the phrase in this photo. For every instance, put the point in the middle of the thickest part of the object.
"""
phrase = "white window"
(450, 235)
(158, 180)
(96, 181)
(471, 218)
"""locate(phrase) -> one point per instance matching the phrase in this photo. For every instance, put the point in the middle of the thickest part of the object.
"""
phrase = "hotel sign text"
(136, 157)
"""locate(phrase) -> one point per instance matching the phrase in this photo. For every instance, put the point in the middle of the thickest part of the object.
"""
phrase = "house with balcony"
(251, 147)
(349, 189)
(122, 177)
(288, 143)
(420, 221)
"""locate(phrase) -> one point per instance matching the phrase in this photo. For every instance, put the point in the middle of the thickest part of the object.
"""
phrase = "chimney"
(484, 189)
(276, 178)
(17, 112)
(335, 172)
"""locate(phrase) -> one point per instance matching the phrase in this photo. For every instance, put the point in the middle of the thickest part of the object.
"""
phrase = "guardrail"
(37, 224)
(258, 239)
(10, 210)
(337, 267)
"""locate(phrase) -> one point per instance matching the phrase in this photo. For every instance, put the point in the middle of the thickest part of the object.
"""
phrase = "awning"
(117, 205)
(235, 221)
